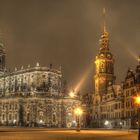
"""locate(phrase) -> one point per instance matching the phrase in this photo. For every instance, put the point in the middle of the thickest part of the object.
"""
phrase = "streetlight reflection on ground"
(78, 112)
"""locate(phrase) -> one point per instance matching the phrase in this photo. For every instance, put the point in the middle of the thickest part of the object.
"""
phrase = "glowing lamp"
(72, 94)
(106, 122)
(137, 100)
(78, 111)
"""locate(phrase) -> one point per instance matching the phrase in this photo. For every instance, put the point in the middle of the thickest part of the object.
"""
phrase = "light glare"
(78, 111)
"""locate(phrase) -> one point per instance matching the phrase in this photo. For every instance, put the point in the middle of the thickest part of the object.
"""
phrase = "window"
(127, 93)
(115, 106)
(43, 76)
(126, 104)
(10, 106)
(118, 114)
(28, 117)
(15, 116)
(127, 84)
(3, 117)
(54, 118)
(132, 91)
(132, 83)
(15, 106)
(10, 116)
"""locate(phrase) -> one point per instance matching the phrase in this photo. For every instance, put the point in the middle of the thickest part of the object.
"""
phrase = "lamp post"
(137, 101)
(78, 112)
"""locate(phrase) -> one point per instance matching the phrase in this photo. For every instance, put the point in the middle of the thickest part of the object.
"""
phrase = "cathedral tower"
(104, 64)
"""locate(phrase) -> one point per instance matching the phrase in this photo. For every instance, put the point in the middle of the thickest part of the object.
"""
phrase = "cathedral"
(33, 97)
(113, 104)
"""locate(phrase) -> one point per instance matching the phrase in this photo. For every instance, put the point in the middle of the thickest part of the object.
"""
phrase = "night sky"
(67, 32)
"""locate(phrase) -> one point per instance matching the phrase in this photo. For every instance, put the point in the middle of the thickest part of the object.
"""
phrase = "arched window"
(10, 106)
(15, 106)
(28, 116)
(15, 116)
(3, 117)
(41, 114)
(10, 116)
(54, 118)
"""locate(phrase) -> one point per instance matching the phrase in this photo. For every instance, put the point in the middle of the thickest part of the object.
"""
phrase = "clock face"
(109, 56)
(101, 55)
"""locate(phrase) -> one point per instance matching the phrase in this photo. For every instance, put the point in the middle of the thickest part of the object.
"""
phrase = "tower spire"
(104, 40)
(104, 22)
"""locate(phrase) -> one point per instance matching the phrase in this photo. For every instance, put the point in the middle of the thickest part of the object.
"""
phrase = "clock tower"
(104, 75)
(104, 65)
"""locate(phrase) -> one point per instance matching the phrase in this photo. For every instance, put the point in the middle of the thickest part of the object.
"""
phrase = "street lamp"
(78, 112)
(121, 124)
(14, 121)
(106, 123)
(72, 94)
(137, 102)
(40, 121)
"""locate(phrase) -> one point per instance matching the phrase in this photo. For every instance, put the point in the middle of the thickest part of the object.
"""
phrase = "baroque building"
(34, 97)
(113, 104)
(131, 89)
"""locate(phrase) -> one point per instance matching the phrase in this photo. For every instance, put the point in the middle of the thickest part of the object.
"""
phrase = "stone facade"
(131, 88)
(33, 97)
(112, 107)
(87, 106)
